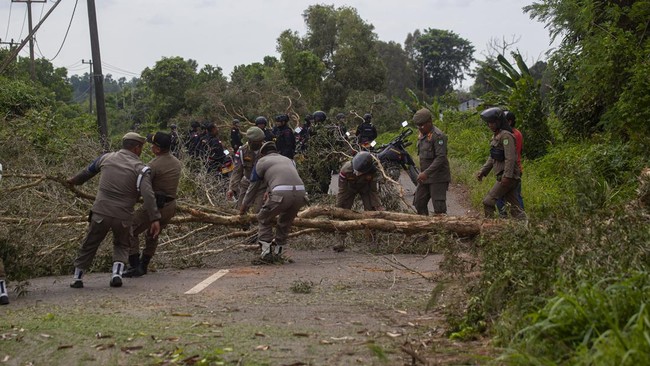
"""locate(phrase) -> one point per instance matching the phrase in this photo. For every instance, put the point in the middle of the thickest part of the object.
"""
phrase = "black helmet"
(495, 115)
(235, 121)
(340, 116)
(205, 125)
(261, 120)
(195, 124)
(282, 118)
(173, 126)
(319, 116)
(309, 118)
(367, 117)
(510, 117)
(363, 163)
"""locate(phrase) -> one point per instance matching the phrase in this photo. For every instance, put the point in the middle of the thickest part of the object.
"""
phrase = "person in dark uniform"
(235, 135)
(285, 195)
(340, 131)
(193, 139)
(262, 122)
(366, 132)
(503, 160)
(214, 150)
(123, 180)
(285, 141)
(433, 180)
(244, 161)
(305, 132)
(175, 147)
(165, 175)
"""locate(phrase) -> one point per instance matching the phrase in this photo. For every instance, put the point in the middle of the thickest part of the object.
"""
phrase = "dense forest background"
(571, 287)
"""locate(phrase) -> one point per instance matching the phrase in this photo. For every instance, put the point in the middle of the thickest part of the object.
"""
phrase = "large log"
(334, 219)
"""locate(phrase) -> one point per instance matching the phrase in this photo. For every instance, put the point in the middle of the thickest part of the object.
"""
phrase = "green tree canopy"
(440, 57)
(167, 82)
(600, 80)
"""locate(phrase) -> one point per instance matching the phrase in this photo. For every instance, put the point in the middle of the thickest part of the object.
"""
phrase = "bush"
(605, 323)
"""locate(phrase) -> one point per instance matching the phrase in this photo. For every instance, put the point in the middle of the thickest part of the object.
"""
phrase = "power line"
(117, 69)
(9, 20)
(67, 30)
(23, 27)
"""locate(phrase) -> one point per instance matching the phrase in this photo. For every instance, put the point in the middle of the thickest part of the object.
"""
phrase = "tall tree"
(441, 58)
(345, 44)
(400, 75)
(167, 82)
(600, 69)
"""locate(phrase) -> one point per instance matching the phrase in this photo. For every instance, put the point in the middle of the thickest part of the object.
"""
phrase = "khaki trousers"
(141, 224)
(97, 231)
(437, 192)
(509, 195)
(282, 206)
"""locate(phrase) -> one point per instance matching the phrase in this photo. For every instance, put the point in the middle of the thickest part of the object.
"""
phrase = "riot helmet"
(340, 117)
(495, 115)
(261, 120)
(363, 163)
(510, 117)
(319, 116)
(367, 117)
(282, 118)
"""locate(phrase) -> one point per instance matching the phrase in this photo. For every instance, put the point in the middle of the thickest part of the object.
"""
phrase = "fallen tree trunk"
(335, 219)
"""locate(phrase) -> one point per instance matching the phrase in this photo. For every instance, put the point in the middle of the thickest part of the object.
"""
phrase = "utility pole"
(11, 44)
(14, 53)
(32, 68)
(90, 80)
(98, 76)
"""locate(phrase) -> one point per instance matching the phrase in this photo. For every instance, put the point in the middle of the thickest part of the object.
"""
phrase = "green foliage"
(341, 42)
(606, 323)
(598, 83)
(18, 96)
(440, 57)
(166, 84)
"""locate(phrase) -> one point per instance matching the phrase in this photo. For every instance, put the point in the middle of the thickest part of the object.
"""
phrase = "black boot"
(144, 263)
(134, 267)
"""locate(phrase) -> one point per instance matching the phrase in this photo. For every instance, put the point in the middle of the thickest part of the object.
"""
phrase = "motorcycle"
(394, 157)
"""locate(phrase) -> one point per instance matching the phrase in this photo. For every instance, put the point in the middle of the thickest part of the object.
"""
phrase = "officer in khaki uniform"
(124, 178)
(359, 177)
(433, 180)
(285, 195)
(245, 159)
(503, 160)
(165, 175)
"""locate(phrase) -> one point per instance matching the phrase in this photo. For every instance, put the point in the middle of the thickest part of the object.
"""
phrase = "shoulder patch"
(505, 142)
(441, 142)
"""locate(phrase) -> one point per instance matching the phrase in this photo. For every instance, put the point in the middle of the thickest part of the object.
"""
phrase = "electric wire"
(74, 10)
(82, 95)
(118, 70)
(9, 20)
(23, 27)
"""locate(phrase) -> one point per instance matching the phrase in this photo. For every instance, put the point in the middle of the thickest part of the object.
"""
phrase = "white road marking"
(205, 283)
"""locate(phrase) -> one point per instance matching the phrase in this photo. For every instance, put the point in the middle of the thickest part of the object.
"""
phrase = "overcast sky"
(134, 34)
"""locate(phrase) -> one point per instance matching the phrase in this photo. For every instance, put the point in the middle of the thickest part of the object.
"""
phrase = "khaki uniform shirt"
(245, 160)
(503, 146)
(165, 174)
(122, 173)
(273, 170)
(351, 184)
(432, 151)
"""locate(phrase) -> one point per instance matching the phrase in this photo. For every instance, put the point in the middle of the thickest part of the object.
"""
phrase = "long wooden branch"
(338, 219)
